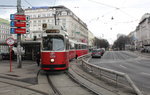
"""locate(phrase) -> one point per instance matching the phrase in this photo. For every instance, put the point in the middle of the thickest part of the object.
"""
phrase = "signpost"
(19, 25)
(10, 41)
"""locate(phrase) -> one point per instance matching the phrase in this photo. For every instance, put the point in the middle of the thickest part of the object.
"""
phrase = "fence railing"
(113, 75)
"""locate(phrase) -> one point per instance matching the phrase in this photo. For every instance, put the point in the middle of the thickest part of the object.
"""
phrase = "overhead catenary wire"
(55, 2)
(104, 4)
(28, 3)
(7, 6)
(110, 6)
(116, 9)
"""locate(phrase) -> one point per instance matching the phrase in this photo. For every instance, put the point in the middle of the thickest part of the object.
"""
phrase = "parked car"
(96, 53)
(5, 56)
(103, 51)
(145, 49)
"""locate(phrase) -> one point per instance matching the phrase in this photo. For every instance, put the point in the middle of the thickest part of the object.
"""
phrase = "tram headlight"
(52, 60)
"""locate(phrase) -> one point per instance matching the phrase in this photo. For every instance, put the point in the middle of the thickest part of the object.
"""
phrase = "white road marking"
(123, 66)
(147, 74)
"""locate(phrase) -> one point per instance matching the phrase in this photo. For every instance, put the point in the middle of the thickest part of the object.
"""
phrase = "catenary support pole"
(19, 12)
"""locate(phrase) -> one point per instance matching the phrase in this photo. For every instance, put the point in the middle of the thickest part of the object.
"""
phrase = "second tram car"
(57, 49)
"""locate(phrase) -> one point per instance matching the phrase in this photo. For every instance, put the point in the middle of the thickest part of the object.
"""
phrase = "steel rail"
(82, 84)
(92, 67)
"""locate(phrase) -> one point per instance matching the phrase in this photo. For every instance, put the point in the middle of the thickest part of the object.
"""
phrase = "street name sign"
(18, 17)
(19, 23)
(18, 30)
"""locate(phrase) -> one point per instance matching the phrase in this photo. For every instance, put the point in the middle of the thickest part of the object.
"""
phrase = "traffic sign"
(27, 31)
(10, 41)
(18, 30)
(17, 17)
(17, 24)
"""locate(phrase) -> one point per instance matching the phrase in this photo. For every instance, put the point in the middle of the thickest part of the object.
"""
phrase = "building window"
(44, 20)
(34, 21)
(39, 24)
(34, 16)
(44, 15)
(39, 21)
(39, 15)
(64, 13)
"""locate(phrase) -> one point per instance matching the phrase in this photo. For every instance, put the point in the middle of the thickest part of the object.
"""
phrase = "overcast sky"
(105, 18)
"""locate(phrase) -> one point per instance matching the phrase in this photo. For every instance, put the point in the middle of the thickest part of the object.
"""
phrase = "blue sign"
(12, 30)
(12, 23)
(12, 16)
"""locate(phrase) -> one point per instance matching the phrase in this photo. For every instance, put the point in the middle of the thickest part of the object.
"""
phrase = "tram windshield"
(53, 43)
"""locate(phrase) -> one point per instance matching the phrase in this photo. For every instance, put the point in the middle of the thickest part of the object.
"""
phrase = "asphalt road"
(137, 67)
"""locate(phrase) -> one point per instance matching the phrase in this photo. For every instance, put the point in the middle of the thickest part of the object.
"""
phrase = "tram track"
(67, 83)
(62, 83)
(54, 88)
(82, 84)
(97, 83)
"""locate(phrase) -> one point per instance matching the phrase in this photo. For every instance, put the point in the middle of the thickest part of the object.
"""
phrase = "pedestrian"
(38, 57)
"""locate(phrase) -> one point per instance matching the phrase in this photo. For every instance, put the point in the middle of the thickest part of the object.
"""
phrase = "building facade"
(4, 34)
(57, 15)
(143, 31)
(91, 39)
(132, 41)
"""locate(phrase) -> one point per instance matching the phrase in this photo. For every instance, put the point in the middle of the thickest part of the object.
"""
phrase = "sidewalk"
(28, 70)
(21, 81)
(142, 54)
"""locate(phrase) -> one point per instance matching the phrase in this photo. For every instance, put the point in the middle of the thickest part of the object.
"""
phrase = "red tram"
(57, 49)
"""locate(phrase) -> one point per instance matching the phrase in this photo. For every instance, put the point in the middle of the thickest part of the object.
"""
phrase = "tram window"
(84, 47)
(76, 46)
(53, 43)
(79, 46)
(67, 45)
